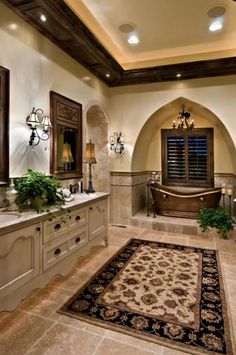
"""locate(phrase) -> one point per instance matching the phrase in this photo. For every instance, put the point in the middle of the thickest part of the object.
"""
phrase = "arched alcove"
(97, 131)
(147, 150)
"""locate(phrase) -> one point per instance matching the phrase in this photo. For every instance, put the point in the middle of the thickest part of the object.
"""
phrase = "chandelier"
(183, 120)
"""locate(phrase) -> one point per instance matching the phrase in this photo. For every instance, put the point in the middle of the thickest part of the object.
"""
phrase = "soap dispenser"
(11, 194)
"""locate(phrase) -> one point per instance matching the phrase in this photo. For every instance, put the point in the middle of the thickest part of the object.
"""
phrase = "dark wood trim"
(69, 33)
(4, 125)
(58, 101)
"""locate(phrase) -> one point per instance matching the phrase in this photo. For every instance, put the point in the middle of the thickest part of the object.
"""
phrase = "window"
(187, 157)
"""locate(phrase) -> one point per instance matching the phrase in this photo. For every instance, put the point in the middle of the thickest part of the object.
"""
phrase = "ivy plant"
(35, 185)
(215, 218)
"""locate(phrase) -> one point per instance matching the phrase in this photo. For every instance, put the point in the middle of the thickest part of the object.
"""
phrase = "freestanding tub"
(171, 202)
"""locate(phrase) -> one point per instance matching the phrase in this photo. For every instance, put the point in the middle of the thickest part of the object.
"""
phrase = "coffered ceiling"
(173, 36)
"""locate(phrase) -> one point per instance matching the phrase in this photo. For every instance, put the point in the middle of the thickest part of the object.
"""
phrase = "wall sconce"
(182, 122)
(36, 120)
(90, 159)
(117, 143)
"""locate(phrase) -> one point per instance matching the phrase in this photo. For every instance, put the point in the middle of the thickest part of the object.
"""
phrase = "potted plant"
(35, 189)
(215, 218)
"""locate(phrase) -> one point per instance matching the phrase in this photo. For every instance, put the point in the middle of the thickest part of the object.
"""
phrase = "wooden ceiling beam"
(68, 32)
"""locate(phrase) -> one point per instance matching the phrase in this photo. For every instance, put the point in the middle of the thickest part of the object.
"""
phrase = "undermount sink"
(8, 216)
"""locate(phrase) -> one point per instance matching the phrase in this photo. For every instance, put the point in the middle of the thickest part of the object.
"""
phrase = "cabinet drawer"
(54, 229)
(63, 224)
(78, 217)
(60, 249)
(54, 253)
(78, 240)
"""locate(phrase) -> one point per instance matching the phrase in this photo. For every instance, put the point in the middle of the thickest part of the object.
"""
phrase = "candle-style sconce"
(223, 192)
(230, 193)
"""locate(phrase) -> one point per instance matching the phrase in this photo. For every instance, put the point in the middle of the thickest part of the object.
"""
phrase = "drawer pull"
(57, 226)
(77, 218)
(38, 229)
(77, 240)
(57, 251)
(90, 208)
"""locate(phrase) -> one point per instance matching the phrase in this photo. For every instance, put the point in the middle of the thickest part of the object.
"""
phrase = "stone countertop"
(12, 220)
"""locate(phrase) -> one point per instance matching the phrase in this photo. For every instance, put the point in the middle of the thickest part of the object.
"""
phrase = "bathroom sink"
(8, 216)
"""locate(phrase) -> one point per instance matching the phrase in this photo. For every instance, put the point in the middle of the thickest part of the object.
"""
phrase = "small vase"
(11, 195)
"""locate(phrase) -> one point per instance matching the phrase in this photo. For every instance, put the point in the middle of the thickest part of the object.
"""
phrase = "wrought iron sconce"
(117, 142)
(182, 122)
(36, 120)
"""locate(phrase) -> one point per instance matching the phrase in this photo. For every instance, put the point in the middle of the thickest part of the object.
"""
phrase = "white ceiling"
(170, 31)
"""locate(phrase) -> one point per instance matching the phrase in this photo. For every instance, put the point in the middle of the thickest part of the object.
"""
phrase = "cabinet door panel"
(97, 219)
(19, 258)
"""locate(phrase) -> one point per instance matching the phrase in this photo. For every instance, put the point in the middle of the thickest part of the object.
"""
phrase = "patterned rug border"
(155, 338)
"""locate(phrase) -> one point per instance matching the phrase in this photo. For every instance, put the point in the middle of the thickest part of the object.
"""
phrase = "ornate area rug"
(164, 293)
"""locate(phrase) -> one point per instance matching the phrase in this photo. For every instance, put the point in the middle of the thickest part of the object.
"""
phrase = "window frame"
(186, 133)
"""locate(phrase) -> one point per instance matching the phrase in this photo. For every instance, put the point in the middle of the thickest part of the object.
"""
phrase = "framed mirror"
(4, 126)
(66, 137)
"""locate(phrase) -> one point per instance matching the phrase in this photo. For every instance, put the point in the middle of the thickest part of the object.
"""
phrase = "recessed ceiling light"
(43, 18)
(215, 26)
(108, 75)
(178, 75)
(13, 26)
(216, 11)
(127, 27)
(133, 39)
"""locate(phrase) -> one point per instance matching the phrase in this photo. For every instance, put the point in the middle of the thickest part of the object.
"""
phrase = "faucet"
(73, 188)
(77, 187)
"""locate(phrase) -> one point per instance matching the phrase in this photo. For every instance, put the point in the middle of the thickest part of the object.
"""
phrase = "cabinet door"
(19, 258)
(98, 219)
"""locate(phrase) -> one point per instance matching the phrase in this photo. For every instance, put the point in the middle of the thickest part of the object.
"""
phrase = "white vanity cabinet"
(19, 262)
(98, 220)
(39, 247)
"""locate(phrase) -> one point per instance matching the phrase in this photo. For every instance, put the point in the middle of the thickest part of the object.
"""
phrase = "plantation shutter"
(187, 157)
(176, 157)
(197, 157)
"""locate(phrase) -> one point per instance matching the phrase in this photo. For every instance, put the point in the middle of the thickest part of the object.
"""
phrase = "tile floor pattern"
(35, 327)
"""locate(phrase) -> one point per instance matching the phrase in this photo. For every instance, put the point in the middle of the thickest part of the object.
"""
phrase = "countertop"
(11, 220)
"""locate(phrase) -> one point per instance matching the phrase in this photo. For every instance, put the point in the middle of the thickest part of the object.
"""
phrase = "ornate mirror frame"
(65, 114)
(4, 126)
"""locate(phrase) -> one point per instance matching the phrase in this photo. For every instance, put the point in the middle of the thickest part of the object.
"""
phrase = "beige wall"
(150, 159)
(133, 106)
(37, 66)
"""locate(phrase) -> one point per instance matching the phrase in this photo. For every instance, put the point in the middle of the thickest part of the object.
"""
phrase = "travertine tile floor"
(35, 327)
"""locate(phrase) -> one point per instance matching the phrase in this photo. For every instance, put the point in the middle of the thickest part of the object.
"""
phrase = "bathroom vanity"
(35, 247)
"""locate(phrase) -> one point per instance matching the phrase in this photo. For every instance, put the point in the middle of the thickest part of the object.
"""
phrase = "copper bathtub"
(171, 202)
